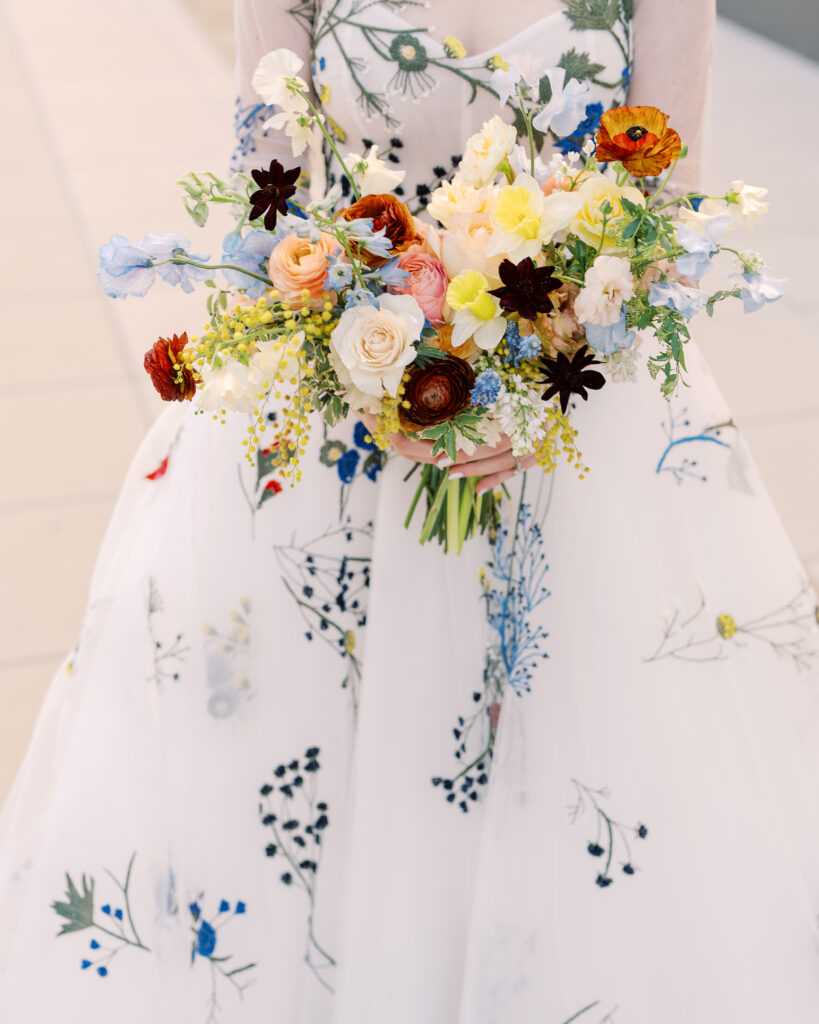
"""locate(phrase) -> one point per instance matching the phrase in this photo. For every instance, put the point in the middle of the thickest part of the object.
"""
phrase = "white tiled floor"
(106, 104)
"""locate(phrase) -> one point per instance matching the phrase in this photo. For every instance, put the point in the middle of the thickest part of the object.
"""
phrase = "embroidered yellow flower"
(497, 63)
(726, 626)
(454, 47)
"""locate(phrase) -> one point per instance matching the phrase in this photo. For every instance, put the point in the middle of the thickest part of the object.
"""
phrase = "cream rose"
(464, 245)
(594, 193)
(376, 343)
(451, 199)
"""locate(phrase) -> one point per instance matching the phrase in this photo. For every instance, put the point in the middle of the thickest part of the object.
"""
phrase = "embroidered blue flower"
(688, 301)
(224, 907)
(360, 436)
(347, 465)
(758, 289)
(250, 251)
(129, 268)
(486, 389)
(85, 964)
(205, 940)
(102, 972)
(700, 246)
(94, 944)
(240, 907)
(373, 465)
(195, 911)
(247, 122)
(106, 909)
(609, 339)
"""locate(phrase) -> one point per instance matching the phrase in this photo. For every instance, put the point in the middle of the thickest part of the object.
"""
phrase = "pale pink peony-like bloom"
(427, 284)
(297, 264)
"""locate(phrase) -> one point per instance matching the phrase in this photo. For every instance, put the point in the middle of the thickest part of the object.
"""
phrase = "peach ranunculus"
(427, 284)
(297, 264)
(464, 245)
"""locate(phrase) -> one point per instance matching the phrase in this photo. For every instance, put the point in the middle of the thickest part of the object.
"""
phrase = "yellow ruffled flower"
(726, 626)
(601, 200)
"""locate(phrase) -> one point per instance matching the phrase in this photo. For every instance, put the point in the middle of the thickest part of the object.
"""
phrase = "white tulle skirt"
(300, 770)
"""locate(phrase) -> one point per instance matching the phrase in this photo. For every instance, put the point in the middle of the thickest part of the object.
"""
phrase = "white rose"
(375, 344)
(745, 203)
(484, 151)
(609, 283)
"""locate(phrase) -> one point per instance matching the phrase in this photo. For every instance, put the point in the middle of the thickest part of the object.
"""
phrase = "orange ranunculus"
(639, 138)
(386, 212)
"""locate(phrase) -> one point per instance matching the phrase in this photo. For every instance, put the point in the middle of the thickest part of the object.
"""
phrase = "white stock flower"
(374, 176)
(376, 343)
(609, 283)
(485, 150)
(230, 386)
(272, 78)
(745, 203)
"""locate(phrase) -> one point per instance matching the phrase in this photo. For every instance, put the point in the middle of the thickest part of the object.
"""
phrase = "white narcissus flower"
(609, 283)
(298, 126)
(526, 220)
(745, 203)
(376, 343)
(374, 176)
(485, 151)
(272, 78)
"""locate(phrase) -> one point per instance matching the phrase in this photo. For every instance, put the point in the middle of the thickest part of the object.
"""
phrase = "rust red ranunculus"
(389, 213)
(174, 380)
(639, 137)
(435, 392)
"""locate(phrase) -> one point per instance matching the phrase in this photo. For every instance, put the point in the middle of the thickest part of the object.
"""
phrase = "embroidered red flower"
(160, 470)
(174, 380)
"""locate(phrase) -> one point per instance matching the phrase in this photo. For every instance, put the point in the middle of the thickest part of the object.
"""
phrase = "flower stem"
(320, 122)
(213, 266)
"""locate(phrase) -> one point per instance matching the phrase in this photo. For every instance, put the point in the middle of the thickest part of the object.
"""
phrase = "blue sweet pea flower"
(700, 246)
(347, 465)
(250, 251)
(205, 940)
(360, 435)
(756, 290)
(129, 268)
(486, 389)
(609, 339)
(688, 301)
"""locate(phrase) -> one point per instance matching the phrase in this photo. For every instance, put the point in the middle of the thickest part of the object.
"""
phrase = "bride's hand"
(494, 463)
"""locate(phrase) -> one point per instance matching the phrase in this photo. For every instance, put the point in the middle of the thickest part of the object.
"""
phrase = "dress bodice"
(417, 95)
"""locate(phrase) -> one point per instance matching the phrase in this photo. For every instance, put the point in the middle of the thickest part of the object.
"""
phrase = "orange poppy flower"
(639, 138)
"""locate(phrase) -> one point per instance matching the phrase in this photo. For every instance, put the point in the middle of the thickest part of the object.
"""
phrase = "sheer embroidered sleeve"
(673, 47)
(261, 26)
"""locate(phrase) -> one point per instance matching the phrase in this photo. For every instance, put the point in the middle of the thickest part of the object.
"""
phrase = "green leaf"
(579, 65)
(426, 354)
(78, 910)
(592, 14)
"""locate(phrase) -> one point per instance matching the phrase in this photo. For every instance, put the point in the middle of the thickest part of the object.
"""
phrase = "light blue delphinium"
(339, 275)
(609, 339)
(757, 289)
(130, 268)
(250, 251)
(389, 275)
(486, 389)
(688, 301)
(360, 297)
(700, 246)
(361, 229)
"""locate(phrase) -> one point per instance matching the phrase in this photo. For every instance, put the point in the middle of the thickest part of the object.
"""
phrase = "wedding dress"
(300, 770)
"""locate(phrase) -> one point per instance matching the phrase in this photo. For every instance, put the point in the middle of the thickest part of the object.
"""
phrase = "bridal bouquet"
(536, 286)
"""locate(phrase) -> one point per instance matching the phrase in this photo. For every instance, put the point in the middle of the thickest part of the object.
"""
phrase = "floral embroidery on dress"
(608, 1019)
(362, 459)
(679, 432)
(227, 662)
(297, 840)
(247, 124)
(330, 589)
(611, 837)
(206, 933)
(113, 931)
(168, 654)
(789, 630)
